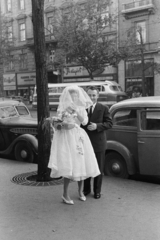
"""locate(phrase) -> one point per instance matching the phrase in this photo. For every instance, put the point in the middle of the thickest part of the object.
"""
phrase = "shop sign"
(26, 78)
(9, 80)
(8, 88)
(78, 71)
(75, 71)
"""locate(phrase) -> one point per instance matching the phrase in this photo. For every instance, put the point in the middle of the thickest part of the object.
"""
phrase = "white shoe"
(70, 202)
(83, 198)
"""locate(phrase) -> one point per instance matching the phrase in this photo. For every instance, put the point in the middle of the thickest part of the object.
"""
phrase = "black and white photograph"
(80, 119)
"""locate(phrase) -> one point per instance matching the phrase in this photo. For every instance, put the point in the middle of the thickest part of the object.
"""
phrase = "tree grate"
(29, 179)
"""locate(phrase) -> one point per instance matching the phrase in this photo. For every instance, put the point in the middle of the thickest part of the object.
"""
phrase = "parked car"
(134, 140)
(17, 98)
(18, 131)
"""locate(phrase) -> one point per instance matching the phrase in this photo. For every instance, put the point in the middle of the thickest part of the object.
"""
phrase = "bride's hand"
(74, 107)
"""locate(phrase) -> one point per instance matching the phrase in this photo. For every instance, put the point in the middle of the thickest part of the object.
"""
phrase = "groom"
(99, 122)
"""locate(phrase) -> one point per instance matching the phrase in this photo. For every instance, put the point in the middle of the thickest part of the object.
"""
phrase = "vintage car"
(134, 141)
(18, 131)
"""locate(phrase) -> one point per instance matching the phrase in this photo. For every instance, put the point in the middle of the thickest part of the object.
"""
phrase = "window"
(141, 32)
(9, 5)
(10, 63)
(126, 118)
(105, 19)
(10, 33)
(21, 4)
(150, 120)
(7, 112)
(22, 110)
(48, 1)
(22, 29)
(50, 25)
(23, 61)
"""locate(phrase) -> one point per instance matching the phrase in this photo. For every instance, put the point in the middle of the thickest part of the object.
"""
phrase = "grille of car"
(32, 131)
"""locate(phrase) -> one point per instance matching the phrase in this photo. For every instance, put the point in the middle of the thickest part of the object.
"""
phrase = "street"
(127, 209)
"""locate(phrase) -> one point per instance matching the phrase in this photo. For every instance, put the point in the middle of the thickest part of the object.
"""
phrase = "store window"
(22, 31)
(133, 77)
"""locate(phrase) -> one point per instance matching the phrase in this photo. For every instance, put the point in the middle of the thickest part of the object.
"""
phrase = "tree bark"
(42, 89)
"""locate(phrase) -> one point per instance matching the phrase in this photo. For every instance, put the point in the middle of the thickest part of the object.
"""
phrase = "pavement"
(127, 210)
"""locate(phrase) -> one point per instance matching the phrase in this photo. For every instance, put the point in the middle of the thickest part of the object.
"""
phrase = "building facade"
(19, 77)
(143, 14)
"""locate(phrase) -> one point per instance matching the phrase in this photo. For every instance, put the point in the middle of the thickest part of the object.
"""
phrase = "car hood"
(20, 121)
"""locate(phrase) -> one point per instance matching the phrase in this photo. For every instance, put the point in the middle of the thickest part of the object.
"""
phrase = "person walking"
(99, 121)
(72, 155)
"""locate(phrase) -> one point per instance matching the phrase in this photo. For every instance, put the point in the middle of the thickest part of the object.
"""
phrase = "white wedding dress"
(72, 155)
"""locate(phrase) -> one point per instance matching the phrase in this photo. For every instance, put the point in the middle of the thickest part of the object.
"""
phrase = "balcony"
(138, 6)
(48, 39)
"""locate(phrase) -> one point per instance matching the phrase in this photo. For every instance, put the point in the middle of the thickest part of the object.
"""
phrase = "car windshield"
(6, 112)
(22, 110)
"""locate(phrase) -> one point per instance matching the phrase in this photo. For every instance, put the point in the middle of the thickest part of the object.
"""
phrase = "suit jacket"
(102, 118)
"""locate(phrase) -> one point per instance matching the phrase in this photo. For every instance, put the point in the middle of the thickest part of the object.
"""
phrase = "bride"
(72, 155)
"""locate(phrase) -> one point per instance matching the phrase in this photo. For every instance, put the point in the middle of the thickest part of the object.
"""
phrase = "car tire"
(23, 152)
(115, 166)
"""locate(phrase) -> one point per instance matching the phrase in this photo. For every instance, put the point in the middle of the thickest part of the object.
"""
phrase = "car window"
(103, 89)
(120, 89)
(22, 110)
(150, 120)
(127, 117)
(6, 112)
(114, 88)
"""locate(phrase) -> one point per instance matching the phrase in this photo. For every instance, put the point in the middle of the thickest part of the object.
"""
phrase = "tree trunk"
(42, 89)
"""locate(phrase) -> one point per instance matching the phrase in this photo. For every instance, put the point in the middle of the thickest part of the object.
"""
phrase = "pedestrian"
(136, 92)
(99, 121)
(72, 155)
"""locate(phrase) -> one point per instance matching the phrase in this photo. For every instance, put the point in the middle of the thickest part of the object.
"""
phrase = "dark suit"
(101, 117)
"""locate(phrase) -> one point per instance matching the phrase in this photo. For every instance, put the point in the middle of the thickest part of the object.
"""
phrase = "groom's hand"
(92, 126)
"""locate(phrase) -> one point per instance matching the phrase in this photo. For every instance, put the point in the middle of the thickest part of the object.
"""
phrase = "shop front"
(25, 85)
(80, 74)
(9, 84)
(133, 78)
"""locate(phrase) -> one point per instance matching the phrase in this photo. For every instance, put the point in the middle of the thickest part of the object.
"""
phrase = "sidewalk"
(127, 210)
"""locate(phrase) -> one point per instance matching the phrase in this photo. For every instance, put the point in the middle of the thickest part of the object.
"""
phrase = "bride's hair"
(73, 91)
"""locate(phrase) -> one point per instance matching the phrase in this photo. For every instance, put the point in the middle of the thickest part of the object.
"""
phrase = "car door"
(148, 139)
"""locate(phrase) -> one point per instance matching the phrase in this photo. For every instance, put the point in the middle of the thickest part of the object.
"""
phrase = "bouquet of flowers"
(64, 120)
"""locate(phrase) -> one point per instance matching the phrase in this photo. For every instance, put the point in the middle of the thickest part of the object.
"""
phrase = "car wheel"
(115, 166)
(23, 152)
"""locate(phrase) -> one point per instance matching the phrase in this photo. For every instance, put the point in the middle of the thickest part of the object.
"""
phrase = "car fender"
(125, 153)
(30, 139)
